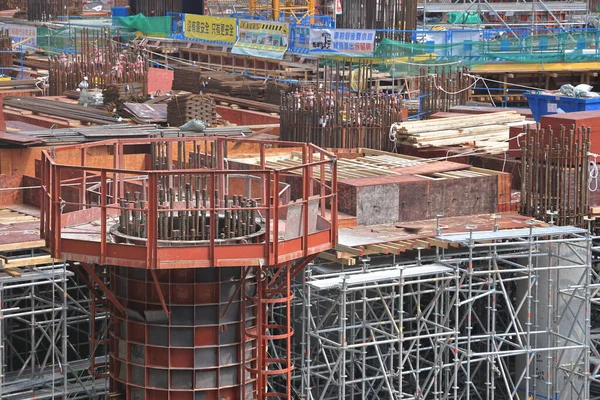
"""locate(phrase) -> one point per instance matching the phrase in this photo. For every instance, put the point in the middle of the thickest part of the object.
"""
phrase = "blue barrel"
(120, 12)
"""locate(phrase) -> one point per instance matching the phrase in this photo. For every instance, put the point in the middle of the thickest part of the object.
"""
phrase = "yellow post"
(252, 7)
(275, 9)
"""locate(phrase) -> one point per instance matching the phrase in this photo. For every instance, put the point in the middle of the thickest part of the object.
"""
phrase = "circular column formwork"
(184, 230)
(195, 353)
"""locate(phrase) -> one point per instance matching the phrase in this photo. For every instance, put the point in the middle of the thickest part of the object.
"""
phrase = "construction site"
(300, 199)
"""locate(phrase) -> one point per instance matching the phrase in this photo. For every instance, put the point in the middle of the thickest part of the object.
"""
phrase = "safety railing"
(102, 203)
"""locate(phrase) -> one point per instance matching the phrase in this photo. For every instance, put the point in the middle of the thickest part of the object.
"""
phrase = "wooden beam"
(409, 245)
(333, 257)
(342, 254)
(350, 250)
(377, 249)
(437, 243)
(14, 272)
(34, 244)
(29, 261)
(396, 248)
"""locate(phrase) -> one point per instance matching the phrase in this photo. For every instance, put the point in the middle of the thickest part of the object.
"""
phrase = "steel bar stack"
(99, 58)
(188, 79)
(184, 108)
(86, 134)
(49, 10)
(196, 80)
(59, 109)
(554, 170)
(442, 88)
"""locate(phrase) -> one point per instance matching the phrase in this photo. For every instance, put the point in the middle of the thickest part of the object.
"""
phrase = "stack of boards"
(489, 131)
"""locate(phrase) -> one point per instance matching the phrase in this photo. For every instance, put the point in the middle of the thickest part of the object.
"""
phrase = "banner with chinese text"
(265, 39)
(212, 29)
(25, 35)
(342, 41)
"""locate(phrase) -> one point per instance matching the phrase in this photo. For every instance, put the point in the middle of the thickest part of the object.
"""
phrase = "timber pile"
(184, 108)
(486, 130)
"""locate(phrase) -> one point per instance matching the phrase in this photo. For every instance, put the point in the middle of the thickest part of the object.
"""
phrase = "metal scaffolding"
(499, 315)
(44, 336)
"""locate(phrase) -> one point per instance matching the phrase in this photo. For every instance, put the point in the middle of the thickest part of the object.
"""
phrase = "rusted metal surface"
(183, 332)
(380, 234)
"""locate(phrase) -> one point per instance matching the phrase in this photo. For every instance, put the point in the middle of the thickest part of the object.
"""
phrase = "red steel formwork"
(194, 260)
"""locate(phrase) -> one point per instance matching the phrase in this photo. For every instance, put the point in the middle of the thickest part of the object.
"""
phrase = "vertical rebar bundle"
(554, 170)
(155, 8)
(385, 15)
(51, 9)
(101, 59)
(6, 55)
(442, 88)
(184, 202)
(342, 111)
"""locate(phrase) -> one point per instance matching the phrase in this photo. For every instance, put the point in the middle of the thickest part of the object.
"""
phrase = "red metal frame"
(274, 261)
(156, 257)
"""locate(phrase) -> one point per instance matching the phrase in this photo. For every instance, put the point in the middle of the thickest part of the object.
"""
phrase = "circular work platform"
(183, 203)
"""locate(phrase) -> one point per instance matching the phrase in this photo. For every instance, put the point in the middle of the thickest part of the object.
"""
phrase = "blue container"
(120, 12)
(545, 104)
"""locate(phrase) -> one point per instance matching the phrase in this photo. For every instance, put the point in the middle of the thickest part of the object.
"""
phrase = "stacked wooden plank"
(489, 131)
(184, 108)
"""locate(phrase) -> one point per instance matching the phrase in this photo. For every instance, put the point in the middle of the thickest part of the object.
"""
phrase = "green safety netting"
(68, 38)
(463, 17)
(438, 48)
(150, 26)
